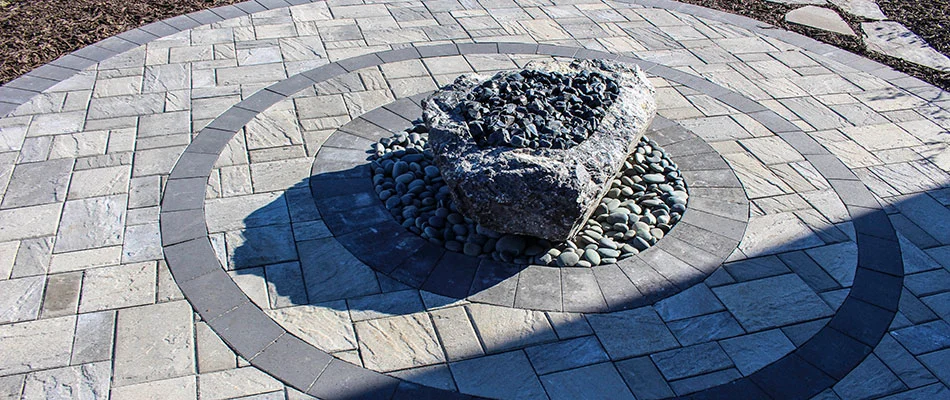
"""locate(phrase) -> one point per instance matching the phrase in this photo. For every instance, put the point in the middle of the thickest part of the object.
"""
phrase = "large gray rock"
(546, 193)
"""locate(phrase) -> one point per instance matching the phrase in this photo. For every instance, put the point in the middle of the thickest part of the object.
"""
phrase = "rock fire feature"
(532, 152)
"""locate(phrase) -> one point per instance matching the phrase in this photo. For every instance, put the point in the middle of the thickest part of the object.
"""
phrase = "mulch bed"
(35, 32)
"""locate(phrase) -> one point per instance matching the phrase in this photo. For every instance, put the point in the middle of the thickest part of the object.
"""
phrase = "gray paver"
(820, 18)
(771, 302)
(11, 386)
(36, 345)
(910, 371)
(505, 375)
(503, 328)
(62, 294)
(691, 361)
(632, 333)
(925, 337)
(600, 381)
(457, 333)
(754, 351)
(566, 354)
(644, 379)
(697, 300)
(697, 383)
(119, 286)
(21, 300)
(80, 381)
(937, 362)
(896, 40)
(324, 325)
(237, 382)
(258, 246)
(385, 304)
(437, 376)
(705, 328)
(91, 223)
(871, 378)
(399, 342)
(154, 342)
(332, 273)
(94, 337)
(38, 183)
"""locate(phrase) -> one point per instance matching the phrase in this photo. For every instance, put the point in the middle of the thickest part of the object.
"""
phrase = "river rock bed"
(644, 202)
(538, 109)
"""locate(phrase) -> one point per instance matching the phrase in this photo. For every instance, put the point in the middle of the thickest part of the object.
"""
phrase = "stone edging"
(715, 221)
(827, 357)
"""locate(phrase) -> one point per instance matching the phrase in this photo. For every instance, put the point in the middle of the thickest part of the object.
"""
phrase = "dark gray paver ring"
(827, 357)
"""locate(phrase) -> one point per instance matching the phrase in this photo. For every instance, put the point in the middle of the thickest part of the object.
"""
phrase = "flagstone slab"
(819, 18)
(893, 39)
(861, 8)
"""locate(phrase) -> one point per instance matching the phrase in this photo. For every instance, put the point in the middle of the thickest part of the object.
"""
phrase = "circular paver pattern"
(875, 102)
(829, 355)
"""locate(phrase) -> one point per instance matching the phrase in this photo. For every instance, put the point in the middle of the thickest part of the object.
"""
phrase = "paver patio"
(187, 213)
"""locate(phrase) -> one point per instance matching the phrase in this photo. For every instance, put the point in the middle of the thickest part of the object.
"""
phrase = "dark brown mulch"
(928, 18)
(35, 32)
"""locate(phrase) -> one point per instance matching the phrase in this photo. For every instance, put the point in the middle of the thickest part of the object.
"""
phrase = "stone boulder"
(541, 192)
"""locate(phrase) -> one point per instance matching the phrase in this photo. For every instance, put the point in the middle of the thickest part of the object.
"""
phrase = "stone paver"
(83, 166)
(820, 18)
(893, 39)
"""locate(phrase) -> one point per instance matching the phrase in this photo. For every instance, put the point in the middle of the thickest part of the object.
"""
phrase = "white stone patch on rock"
(894, 39)
(819, 18)
(861, 8)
